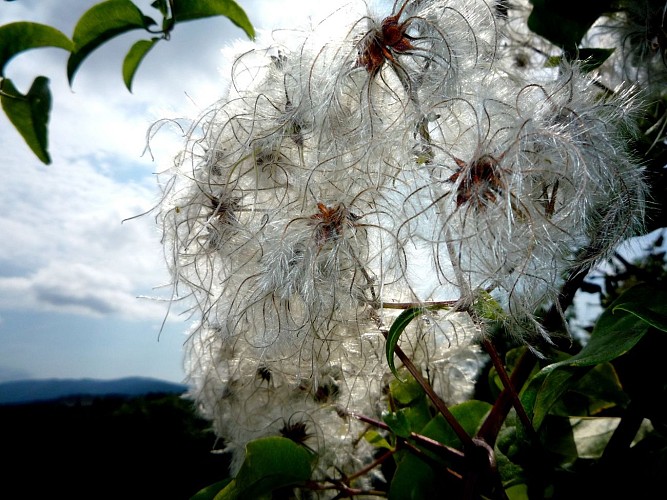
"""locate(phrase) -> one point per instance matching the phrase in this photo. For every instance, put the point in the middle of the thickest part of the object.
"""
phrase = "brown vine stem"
(491, 426)
(445, 304)
(424, 441)
(439, 403)
(552, 321)
(483, 470)
(507, 384)
(371, 466)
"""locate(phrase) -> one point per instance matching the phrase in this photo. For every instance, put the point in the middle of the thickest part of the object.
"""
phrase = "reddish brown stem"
(494, 421)
(509, 387)
(372, 465)
(424, 441)
(439, 403)
(442, 304)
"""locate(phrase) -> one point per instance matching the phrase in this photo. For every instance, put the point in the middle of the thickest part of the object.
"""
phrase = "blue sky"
(74, 278)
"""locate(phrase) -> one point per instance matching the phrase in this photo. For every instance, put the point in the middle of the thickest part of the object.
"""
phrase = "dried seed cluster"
(378, 160)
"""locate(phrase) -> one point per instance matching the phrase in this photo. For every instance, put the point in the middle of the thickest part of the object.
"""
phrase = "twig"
(439, 403)
(425, 441)
(494, 421)
(444, 304)
(507, 384)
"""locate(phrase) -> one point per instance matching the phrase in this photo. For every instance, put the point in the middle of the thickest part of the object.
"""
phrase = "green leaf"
(270, 463)
(398, 423)
(647, 302)
(21, 36)
(565, 22)
(406, 392)
(101, 23)
(413, 413)
(186, 10)
(418, 414)
(615, 333)
(414, 479)
(134, 58)
(599, 389)
(377, 439)
(470, 414)
(517, 492)
(162, 6)
(509, 447)
(29, 113)
(578, 437)
(545, 389)
(591, 435)
(417, 479)
(210, 492)
(397, 327)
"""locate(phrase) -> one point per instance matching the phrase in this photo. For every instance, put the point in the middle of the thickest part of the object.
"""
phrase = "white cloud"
(65, 245)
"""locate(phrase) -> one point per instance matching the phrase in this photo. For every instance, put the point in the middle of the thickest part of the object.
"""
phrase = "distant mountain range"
(27, 391)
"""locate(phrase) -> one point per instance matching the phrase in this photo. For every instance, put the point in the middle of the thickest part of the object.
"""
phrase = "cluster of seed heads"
(372, 162)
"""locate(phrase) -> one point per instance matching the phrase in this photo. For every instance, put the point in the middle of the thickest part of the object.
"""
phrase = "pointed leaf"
(377, 439)
(101, 23)
(398, 423)
(414, 479)
(210, 492)
(647, 302)
(134, 58)
(21, 36)
(270, 463)
(406, 392)
(599, 389)
(29, 113)
(615, 333)
(186, 10)
(397, 327)
(470, 414)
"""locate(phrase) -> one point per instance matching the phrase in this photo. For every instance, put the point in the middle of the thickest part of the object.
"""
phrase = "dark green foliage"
(98, 25)
(596, 426)
(565, 22)
(134, 57)
(186, 10)
(395, 331)
(271, 463)
(147, 447)
(101, 23)
(29, 113)
(21, 36)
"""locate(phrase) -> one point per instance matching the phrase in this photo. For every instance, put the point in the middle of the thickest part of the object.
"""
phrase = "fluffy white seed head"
(370, 162)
